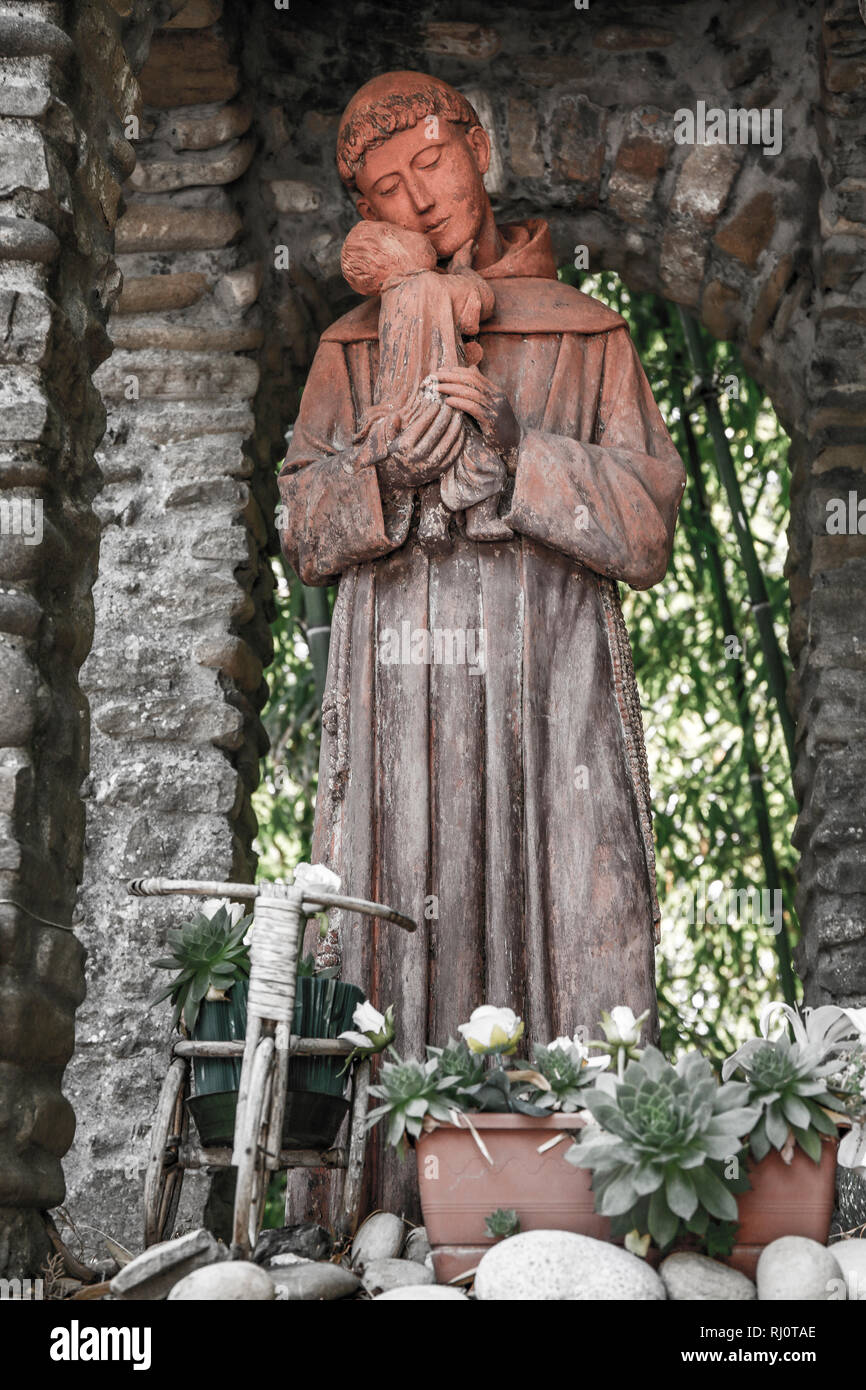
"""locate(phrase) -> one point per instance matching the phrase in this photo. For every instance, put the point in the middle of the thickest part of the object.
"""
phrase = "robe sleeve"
(331, 514)
(611, 503)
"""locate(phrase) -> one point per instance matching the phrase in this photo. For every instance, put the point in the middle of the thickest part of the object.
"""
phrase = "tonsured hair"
(373, 124)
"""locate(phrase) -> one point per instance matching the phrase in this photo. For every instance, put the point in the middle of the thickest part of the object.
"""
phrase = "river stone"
(417, 1246)
(306, 1239)
(797, 1268)
(236, 1281)
(850, 1256)
(417, 1293)
(689, 1277)
(380, 1238)
(314, 1282)
(561, 1265)
(155, 1271)
(382, 1275)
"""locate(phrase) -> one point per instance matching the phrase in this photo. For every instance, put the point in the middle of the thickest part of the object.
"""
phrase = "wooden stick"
(193, 1156)
(304, 1047)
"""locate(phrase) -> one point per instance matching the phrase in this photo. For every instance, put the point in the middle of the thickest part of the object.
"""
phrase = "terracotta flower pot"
(793, 1199)
(459, 1188)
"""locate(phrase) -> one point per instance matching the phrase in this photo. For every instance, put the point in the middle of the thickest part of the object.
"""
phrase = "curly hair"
(374, 123)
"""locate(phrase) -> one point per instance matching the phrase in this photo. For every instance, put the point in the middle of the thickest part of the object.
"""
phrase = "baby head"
(375, 252)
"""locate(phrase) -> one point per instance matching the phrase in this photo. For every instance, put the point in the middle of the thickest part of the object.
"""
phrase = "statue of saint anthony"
(483, 764)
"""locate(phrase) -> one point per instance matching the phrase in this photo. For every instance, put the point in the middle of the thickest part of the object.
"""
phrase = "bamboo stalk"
(741, 698)
(758, 597)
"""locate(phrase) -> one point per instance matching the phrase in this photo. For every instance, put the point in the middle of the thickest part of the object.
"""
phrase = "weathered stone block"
(193, 169)
(26, 86)
(578, 145)
(456, 39)
(750, 230)
(162, 227)
(25, 323)
(24, 240)
(151, 1275)
(206, 131)
(186, 69)
(23, 158)
(134, 334)
(526, 156)
(704, 182)
(176, 376)
(240, 288)
(148, 294)
(293, 195)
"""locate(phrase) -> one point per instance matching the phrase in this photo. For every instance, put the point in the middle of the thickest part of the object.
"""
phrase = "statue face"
(429, 184)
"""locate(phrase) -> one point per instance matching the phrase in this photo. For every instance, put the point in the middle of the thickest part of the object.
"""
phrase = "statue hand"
(469, 390)
(426, 447)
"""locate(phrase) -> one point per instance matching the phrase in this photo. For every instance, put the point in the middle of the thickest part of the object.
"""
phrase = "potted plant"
(487, 1137)
(676, 1157)
(663, 1151)
(806, 1087)
(210, 955)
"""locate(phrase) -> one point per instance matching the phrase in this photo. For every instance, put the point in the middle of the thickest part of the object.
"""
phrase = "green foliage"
(410, 1092)
(567, 1073)
(285, 801)
(791, 1090)
(713, 977)
(210, 956)
(659, 1158)
(502, 1223)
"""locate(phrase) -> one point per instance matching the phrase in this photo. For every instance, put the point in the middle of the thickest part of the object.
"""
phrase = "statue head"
(412, 150)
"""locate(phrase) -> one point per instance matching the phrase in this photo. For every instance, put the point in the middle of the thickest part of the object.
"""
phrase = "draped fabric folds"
(482, 763)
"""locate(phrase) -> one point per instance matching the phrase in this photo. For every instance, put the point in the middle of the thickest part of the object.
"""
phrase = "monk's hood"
(529, 298)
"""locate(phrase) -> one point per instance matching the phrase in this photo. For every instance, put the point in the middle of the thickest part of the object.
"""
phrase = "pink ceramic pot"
(793, 1199)
(459, 1188)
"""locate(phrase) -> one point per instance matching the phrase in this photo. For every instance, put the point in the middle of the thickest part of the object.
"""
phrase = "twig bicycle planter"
(267, 1051)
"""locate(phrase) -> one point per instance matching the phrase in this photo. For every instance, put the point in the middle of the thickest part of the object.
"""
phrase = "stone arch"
(213, 336)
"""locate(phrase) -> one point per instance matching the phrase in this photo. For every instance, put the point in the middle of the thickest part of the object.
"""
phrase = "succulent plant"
(455, 1059)
(788, 1082)
(661, 1149)
(795, 1082)
(568, 1070)
(410, 1092)
(502, 1223)
(210, 956)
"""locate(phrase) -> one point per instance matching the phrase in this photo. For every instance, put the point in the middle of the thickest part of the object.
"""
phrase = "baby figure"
(423, 316)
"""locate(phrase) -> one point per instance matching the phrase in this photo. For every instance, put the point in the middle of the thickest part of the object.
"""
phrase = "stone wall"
(229, 247)
(183, 599)
(63, 157)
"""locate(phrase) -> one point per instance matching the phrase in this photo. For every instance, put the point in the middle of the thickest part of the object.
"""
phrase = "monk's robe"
(483, 766)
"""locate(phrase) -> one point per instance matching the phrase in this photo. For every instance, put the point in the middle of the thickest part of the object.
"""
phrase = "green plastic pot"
(323, 1009)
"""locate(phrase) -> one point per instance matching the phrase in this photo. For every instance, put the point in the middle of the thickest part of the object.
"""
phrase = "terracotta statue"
(422, 318)
(483, 764)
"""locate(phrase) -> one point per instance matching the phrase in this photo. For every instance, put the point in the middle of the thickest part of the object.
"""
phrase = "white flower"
(492, 1030)
(317, 878)
(621, 1028)
(373, 1031)
(367, 1019)
(211, 906)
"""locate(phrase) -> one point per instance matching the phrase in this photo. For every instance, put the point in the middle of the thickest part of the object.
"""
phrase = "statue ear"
(365, 210)
(479, 141)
